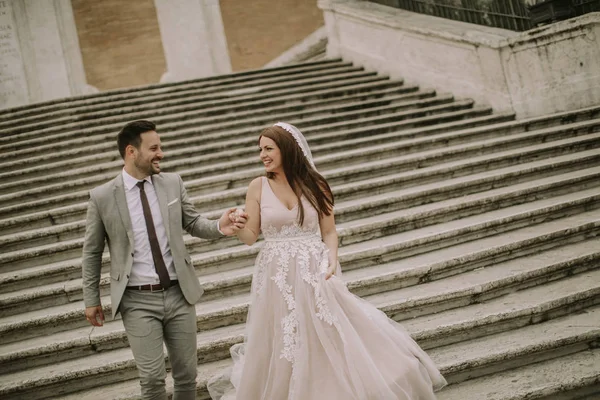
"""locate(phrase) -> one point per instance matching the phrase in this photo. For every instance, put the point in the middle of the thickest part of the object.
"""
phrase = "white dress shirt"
(142, 271)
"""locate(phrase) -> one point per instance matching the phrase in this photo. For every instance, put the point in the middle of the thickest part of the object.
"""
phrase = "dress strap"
(263, 180)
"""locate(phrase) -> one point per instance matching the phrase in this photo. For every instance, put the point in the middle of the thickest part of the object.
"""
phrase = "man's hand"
(232, 221)
(95, 315)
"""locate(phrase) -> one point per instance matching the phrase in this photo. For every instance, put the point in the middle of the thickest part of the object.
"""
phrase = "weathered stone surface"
(478, 233)
(569, 377)
(337, 166)
(408, 272)
(507, 70)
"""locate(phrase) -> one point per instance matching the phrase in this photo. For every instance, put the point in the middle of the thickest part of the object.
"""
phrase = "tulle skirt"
(308, 338)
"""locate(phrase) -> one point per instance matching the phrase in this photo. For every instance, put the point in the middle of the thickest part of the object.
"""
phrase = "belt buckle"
(152, 290)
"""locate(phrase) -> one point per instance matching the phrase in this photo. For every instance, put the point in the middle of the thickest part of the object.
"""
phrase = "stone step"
(22, 237)
(96, 370)
(34, 166)
(525, 242)
(130, 389)
(33, 290)
(432, 213)
(499, 352)
(472, 285)
(313, 83)
(423, 238)
(69, 213)
(393, 155)
(512, 310)
(403, 233)
(339, 89)
(400, 222)
(571, 377)
(71, 105)
(397, 247)
(16, 203)
(73, 213)
(481, 234)
(329, 137)
(208, 170)
(80, 110)
(223, 88)
(483, 284)
(459, 258)
(374, 197)
(450, 180)
(176, 118)
(303, 104)
(202, 131)
(459, 341)
(52, 273)
(402, 153)
(187, 153)
(465, 359)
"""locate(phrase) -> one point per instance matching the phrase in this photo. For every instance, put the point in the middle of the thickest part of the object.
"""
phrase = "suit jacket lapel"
(161, 194)
(121, 200)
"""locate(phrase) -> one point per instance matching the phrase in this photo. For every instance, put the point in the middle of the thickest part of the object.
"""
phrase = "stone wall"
(53, 49)
(554, 68)
(122, 46)
(41, 59)
(541, 71)
(13, 86)
(258, 31)
(120, 42)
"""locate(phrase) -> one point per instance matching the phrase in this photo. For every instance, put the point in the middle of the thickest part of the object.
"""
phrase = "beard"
(146, 167)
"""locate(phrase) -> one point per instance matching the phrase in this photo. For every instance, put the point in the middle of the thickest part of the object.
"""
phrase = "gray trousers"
(151, 318)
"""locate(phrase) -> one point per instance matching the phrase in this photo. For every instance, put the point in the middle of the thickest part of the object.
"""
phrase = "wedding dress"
(308, 338)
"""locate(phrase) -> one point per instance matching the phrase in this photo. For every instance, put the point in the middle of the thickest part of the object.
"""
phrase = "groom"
(153, 284)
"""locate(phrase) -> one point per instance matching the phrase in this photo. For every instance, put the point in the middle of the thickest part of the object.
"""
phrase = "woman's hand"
(330, 238)
(232, 221)
(331, 270)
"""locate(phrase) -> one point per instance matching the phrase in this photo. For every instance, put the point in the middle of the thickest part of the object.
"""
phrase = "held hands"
(232, 221)
(95, 315)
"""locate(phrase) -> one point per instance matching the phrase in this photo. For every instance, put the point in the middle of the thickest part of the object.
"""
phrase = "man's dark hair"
(130, 134)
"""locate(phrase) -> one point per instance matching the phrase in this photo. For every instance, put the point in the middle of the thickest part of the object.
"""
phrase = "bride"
(308, 337)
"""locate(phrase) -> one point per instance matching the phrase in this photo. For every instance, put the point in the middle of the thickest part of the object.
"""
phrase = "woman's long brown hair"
(303, 179)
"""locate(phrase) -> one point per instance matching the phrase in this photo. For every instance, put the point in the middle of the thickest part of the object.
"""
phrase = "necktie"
(159, 262)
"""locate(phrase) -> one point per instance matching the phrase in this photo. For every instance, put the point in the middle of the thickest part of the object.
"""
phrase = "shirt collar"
(130, 181)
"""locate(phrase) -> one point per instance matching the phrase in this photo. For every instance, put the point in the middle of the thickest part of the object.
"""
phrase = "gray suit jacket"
(108, 218)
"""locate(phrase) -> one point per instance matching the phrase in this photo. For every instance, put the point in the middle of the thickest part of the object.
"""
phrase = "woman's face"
(270, 155)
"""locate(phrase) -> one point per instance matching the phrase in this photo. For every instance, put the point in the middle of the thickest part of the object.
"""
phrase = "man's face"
(148, 156)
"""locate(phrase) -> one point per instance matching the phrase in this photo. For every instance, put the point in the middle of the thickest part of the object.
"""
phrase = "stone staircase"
(478, 232)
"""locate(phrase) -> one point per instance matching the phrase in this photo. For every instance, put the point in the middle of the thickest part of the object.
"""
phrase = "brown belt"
(153, 288)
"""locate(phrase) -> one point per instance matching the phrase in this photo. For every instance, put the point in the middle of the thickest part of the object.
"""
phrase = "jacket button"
(131, 254)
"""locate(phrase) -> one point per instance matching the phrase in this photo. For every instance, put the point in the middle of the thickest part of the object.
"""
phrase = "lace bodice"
(279, 222)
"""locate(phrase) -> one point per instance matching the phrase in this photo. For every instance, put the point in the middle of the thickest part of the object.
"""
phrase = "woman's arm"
(249, 234)
(330, 238)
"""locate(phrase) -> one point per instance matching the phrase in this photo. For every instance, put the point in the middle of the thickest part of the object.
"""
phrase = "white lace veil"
(300, 139)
